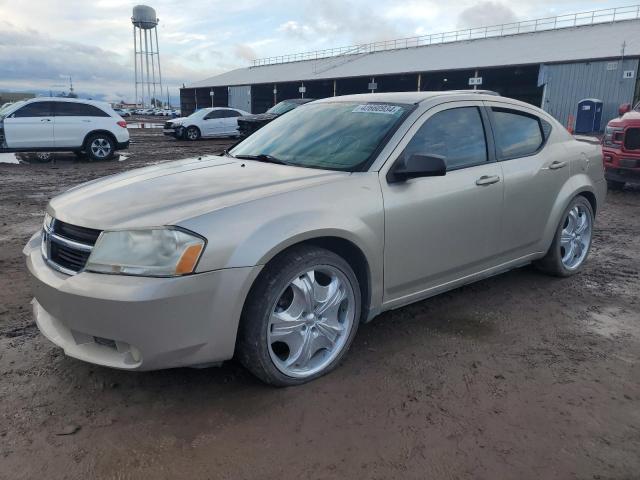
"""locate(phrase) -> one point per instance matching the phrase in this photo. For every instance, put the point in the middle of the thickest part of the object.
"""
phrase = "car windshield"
(328, 135)
(282, 107)
(5, 109)
(198, 113)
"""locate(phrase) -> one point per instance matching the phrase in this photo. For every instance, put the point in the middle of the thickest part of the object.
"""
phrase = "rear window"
(517, 134)
(72, 109)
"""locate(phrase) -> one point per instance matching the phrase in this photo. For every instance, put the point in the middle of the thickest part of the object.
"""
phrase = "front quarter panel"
(253, 233)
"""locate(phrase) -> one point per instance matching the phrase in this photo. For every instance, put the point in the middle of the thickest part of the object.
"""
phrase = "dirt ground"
(521, 376)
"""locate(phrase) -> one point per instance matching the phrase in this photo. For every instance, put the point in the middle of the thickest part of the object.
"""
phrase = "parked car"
(325, 218)
(251, 123)
(63, 124)
(206, 122)
(621, 148)
(122, 112)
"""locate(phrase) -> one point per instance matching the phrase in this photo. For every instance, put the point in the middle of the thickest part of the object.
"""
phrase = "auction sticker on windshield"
(377, 108)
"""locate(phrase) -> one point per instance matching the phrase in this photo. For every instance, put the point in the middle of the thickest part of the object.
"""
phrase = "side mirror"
(418, 166)
(624, 108)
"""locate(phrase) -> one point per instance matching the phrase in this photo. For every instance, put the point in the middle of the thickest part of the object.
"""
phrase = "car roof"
(70, 100)
(299, 101)
(403, 97)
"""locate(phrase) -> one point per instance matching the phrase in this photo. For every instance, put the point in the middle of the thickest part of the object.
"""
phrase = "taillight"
(122, 123)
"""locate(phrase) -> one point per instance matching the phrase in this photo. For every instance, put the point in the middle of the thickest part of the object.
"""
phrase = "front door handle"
(555, 165)
(487, 180)
(45, 120)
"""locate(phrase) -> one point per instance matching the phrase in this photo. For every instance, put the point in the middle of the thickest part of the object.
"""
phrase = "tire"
(100, 147)
(615, 185)
(570, 247)
(278, 317)
(192, 133)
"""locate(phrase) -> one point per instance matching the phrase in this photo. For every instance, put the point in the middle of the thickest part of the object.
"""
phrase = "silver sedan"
(276, 251)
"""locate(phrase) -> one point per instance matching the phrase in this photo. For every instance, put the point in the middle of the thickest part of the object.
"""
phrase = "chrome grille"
(67, 247)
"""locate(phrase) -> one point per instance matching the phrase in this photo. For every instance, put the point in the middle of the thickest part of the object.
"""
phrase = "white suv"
(63, 124)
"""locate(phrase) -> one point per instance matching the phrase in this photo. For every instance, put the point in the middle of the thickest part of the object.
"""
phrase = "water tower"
(148, 81)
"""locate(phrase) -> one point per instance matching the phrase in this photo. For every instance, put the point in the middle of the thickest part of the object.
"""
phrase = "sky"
(43, 42)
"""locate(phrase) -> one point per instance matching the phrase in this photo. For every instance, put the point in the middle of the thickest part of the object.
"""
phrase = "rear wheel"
(615, 185)
(300, 317)
(572, 241)
(100, 146)
(192, 133)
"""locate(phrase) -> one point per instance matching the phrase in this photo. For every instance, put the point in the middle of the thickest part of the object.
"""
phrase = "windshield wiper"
(263, 158)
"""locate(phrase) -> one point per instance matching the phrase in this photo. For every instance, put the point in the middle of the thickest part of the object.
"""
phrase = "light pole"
(211, 94)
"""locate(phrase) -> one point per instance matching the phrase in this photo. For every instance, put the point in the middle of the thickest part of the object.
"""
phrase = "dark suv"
(250, 123)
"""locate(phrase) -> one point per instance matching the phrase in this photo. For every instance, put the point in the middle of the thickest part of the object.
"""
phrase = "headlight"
(48, 219)
(159, 252)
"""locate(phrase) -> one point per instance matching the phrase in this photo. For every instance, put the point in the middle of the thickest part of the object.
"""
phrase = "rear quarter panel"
(586, 177)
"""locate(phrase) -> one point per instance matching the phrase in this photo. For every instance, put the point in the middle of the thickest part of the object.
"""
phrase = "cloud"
(245, 52)
(486, 13)
(31, 56)
(92, 40)
(295, 29)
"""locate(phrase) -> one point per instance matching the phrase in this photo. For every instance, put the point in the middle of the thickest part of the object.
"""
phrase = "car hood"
(172, 192)
(260, 117)
(178, 121)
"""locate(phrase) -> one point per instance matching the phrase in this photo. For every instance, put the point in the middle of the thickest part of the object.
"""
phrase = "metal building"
(550, 62)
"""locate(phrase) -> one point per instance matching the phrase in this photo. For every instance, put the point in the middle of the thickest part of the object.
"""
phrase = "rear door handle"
(487, 180)
(45, 120)
(555, 165)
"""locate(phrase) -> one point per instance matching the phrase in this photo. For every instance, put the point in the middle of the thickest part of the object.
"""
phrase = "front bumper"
(621, 166)
(139, 323)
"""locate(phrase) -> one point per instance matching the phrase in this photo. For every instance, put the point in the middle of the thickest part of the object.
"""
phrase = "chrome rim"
(192, 134)
(575, 237)
(311, 321)
(101, 147)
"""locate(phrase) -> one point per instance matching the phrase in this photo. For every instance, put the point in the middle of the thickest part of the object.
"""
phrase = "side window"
(233, 113)
(35, 109)
(517, 134)
(456, 134)
(213, 114)
(72, 109)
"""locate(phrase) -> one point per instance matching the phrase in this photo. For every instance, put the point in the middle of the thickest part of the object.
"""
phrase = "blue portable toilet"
(589, 115)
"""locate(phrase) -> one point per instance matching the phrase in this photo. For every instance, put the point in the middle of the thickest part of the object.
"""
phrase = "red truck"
(621, 148)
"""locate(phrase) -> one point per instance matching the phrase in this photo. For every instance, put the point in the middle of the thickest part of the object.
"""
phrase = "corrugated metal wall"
(567, 84)
(240, 97)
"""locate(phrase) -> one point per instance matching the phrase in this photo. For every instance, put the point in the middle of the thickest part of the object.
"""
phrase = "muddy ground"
(518, 377)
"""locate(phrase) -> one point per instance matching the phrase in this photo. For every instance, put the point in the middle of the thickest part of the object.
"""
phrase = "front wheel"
(192, 133)
(100, 147)
(300, 317)
(572, 241)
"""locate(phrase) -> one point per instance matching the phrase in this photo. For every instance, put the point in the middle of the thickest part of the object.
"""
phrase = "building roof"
(405, 97)
(590, 42)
